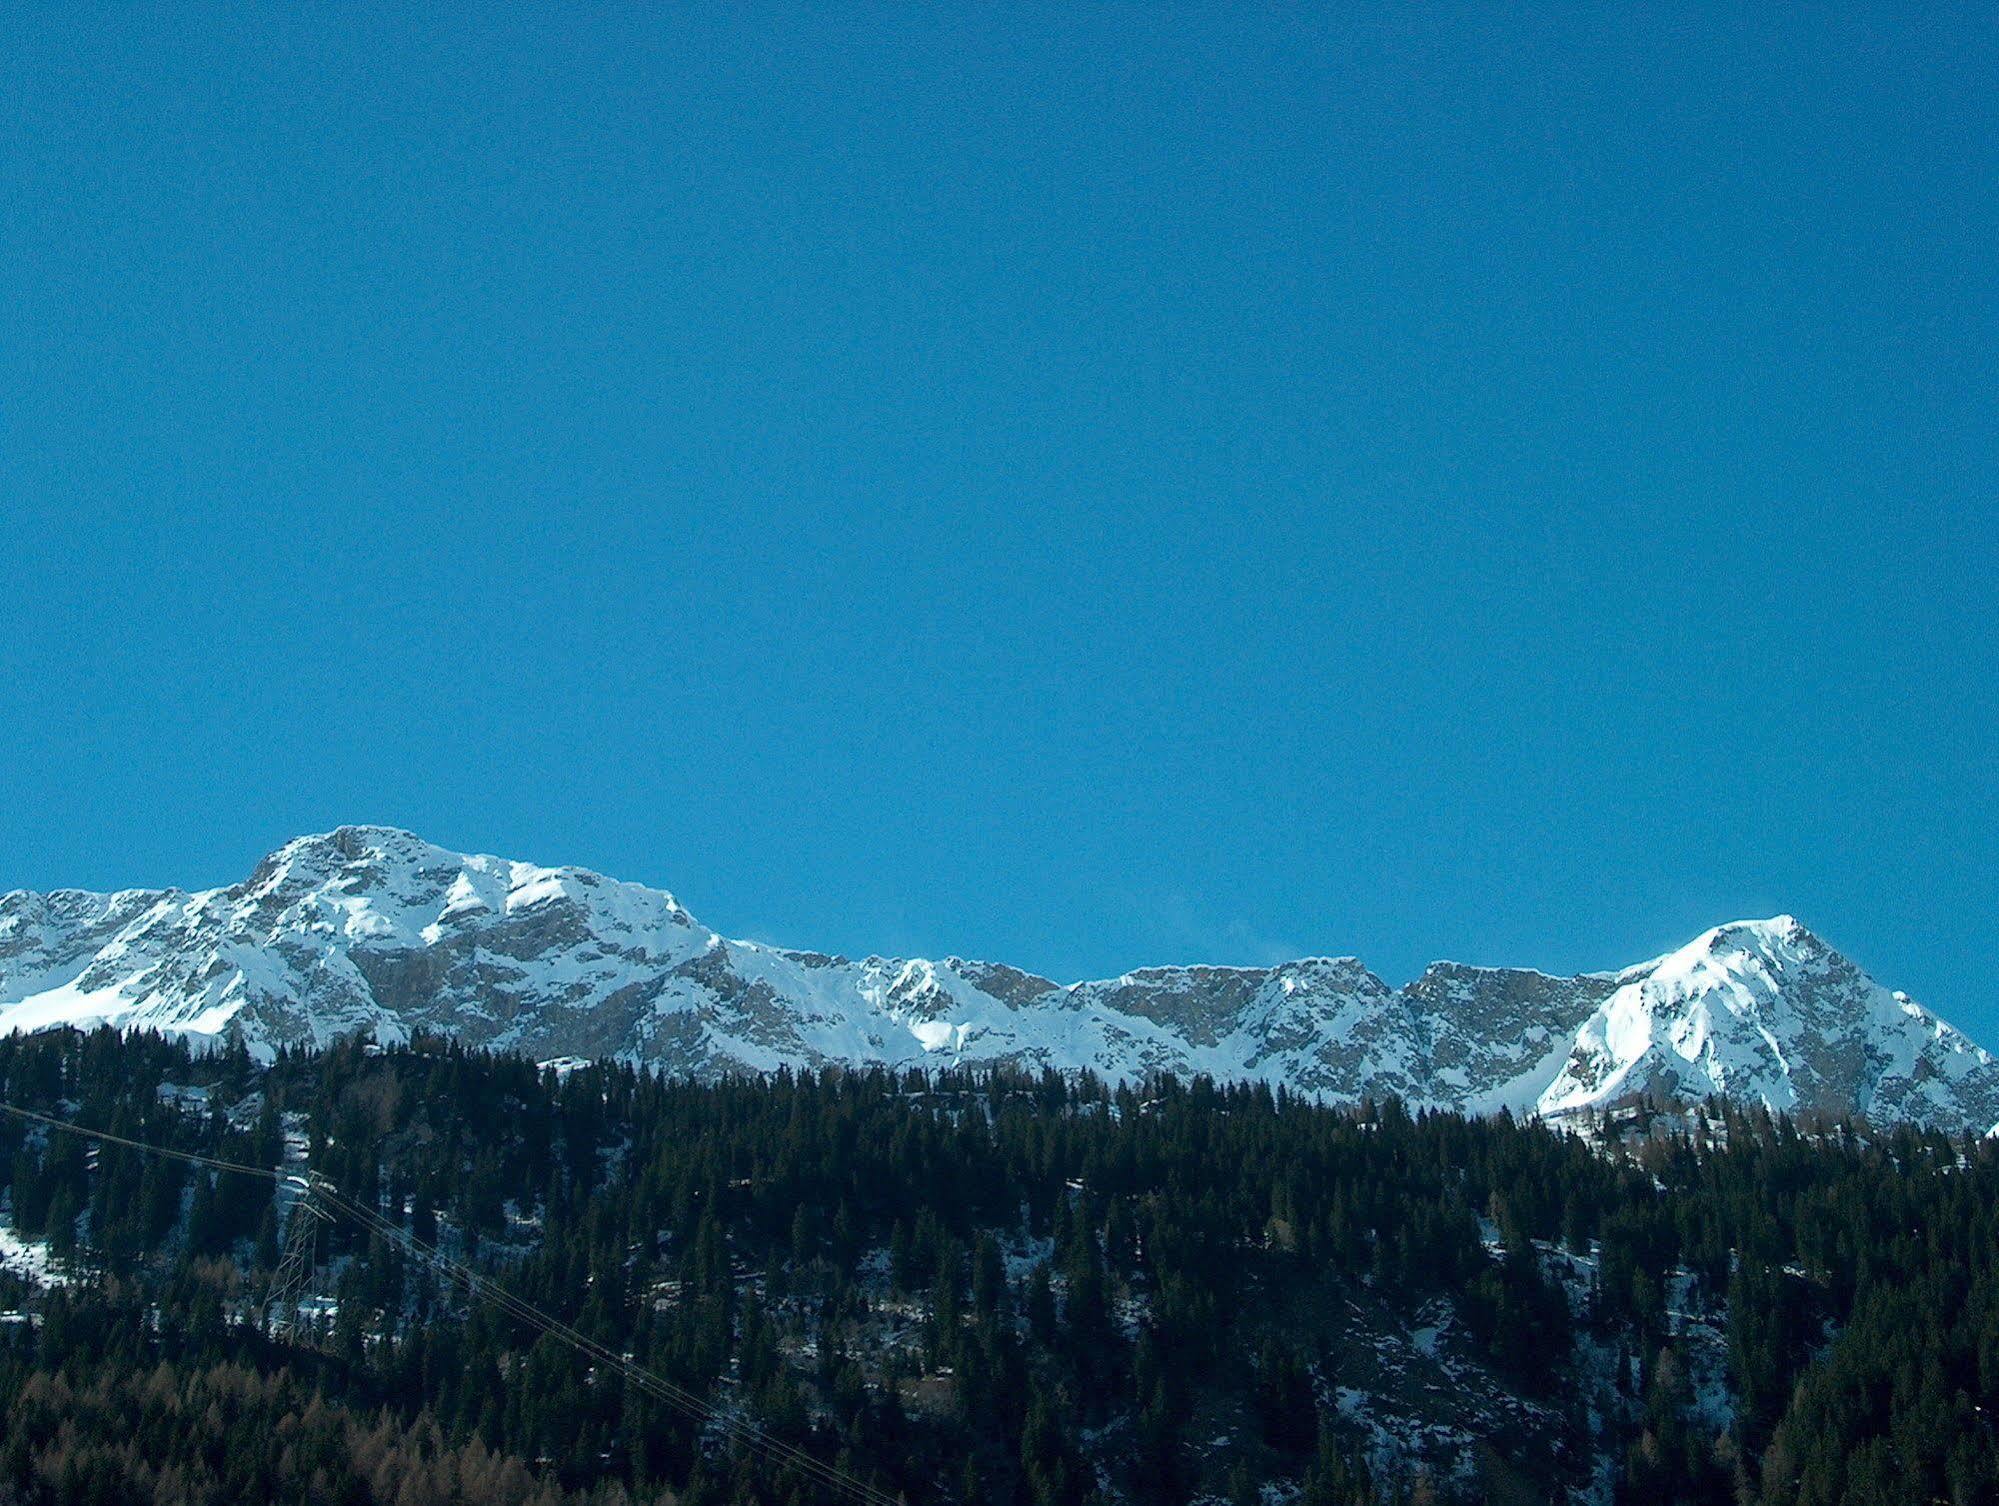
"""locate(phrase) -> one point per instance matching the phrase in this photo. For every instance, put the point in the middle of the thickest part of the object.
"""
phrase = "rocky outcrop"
(373, 929)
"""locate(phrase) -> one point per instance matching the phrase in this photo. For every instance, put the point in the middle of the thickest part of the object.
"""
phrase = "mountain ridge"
(372, 928)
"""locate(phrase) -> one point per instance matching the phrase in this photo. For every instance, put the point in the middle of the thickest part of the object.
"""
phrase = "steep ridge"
(370, 928)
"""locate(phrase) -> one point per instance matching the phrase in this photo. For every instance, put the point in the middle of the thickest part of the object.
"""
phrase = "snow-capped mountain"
(368, 928)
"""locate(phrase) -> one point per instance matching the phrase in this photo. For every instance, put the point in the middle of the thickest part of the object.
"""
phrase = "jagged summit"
(373, 928)
(378, 865)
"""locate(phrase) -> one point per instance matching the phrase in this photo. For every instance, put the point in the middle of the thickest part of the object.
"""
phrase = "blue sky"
(1087, 488)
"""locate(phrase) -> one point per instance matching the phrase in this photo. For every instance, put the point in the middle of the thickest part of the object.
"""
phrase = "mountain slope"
(369, 928)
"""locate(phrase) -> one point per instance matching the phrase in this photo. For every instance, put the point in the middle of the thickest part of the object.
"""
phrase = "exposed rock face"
(368, 928)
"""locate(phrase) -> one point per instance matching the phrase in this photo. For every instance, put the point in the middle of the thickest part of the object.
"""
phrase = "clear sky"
(1085, 487)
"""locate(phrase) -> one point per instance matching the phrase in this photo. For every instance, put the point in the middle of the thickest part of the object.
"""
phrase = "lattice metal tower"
(293, 1278)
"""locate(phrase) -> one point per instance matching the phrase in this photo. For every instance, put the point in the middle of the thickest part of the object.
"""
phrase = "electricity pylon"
(293, 1277)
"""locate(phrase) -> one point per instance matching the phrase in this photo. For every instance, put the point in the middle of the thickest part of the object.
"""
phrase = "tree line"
(991, 1287)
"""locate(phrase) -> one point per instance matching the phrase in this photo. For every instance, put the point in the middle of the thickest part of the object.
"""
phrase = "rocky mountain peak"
(372, 928)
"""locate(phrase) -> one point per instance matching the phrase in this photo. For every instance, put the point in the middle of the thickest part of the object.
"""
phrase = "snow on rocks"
(370, 929)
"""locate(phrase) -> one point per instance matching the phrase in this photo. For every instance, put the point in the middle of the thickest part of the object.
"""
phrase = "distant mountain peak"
(372, 928)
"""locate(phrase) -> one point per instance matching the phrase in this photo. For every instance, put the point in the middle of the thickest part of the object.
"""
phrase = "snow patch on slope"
(374, 929)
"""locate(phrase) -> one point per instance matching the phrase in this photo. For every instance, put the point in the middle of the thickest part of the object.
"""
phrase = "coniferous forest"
(984, 1288)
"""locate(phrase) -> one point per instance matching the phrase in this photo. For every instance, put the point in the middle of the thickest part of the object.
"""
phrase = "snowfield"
(373, 929)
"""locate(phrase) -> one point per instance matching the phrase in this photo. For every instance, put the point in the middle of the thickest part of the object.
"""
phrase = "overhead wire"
(484, 1287)
(269, 1174)
(654, 1384)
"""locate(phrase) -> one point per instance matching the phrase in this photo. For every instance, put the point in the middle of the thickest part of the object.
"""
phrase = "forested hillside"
(979, 1289)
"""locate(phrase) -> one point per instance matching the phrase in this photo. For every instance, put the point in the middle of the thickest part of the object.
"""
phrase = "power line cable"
(477, 1285)
(193, 1157)
(654, 1384)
